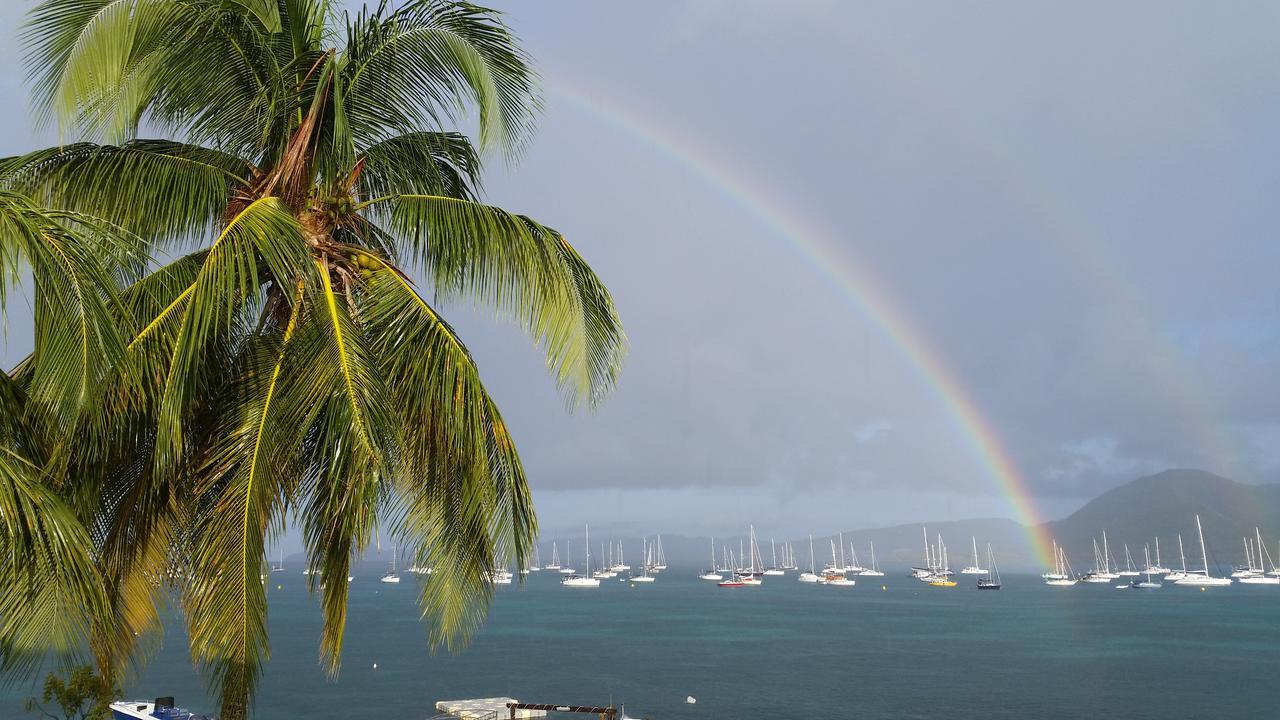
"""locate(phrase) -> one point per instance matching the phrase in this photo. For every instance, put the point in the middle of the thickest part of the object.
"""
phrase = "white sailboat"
(1148, 584)
(584, 580)
(753, 576)
(834, 575)
(811, 576)
(1129, 570)
(392, 576)
(992, 580)
(1176, 575)
(1157, 568)
(1202, 578)
(279, 567)
(1263, 576)
(568, 565)
(644, 576)
(712, 573)
(1061, 575)
(872, 571)
(621, 565)
(1101, 563)
(976, 568)
(775, 569)
(659, 557)
(555, 559)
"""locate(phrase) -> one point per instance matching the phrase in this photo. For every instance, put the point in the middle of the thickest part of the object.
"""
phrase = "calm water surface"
(784, 650)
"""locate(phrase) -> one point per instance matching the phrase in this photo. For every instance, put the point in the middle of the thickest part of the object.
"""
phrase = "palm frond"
(160, 190)
(413, 67)
(421, 163)
(525, 271)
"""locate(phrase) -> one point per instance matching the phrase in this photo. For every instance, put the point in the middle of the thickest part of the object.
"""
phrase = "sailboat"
(1177, 575)
(811, 576)
(942, 578)
(1129, 570)
(644, 576)
(392, 576)
(660, 558)
(921, 573)
(992, 580)
(279, 567)
(735, 576)
(531, 564)
(1061, 575)
(605, 572)
(790, 562)
(753, 576)
(775, 569)
(620, 565)
(711, 573)
(584, 580)
(568, 566)
(1148, 584)
(555, 559)
(1199, 578)
(975, 568)
(1157, 568)
(834, 575)
(872, 571)
(1101, 563)
(1262, 576)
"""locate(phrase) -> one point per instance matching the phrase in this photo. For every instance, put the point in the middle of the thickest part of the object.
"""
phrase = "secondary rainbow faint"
(819, 246)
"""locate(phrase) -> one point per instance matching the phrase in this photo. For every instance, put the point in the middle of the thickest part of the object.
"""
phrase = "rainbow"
(819, 247)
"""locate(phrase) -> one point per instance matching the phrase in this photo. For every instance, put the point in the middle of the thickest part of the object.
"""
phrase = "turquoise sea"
(784, 650)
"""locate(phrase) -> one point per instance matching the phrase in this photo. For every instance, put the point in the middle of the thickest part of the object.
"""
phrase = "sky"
(1065, 208)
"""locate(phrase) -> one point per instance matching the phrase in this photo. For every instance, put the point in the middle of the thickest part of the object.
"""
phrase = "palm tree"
(250, 349)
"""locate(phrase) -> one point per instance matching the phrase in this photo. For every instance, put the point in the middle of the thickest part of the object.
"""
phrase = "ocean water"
(783, 650)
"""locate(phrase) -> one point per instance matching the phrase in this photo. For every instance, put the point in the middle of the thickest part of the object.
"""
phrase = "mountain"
(1163, 505)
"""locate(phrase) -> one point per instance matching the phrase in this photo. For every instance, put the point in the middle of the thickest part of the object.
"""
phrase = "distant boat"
(584, 580)
(1129, 570)
(712, 573)
(1102, 572)
(1156, 568)
(1148, 584)
(568, 568)
(811, 576)
(392, 576)
(834, 574)
(1061, 575)
(660, 557)
(975, 568)
(1203, 578)
(992, 580)
(774, 569)
(1262, 576)
(735, 576)
(752, 576)
(280, 566)
(872, 571)
(1177, 575)
(555, 559)
(644, 576)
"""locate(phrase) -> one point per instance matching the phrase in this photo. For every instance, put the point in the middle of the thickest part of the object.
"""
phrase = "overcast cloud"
(1072, 203)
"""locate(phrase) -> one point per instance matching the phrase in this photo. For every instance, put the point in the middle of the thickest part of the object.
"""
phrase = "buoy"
(1201, 589)
(375, 666)
(884, 587)
(279, 587)
(690, 700)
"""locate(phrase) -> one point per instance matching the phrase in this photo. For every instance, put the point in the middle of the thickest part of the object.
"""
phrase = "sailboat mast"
(1204, 555)
(812, 566)
(1182, 554)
